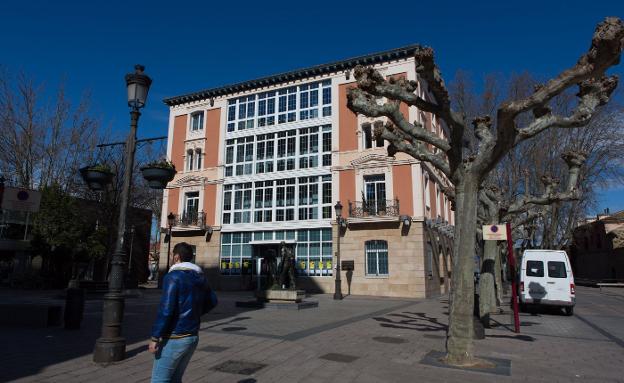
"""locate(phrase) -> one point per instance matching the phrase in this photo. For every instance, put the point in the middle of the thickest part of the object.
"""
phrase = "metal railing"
(374, 208)
(191, 219)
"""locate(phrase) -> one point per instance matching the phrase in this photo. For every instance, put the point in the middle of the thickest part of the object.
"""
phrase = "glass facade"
(303, 148)
(313, 250)
(286, 199)
(295, 103)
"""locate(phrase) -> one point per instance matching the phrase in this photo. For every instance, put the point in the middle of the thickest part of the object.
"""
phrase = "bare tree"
(42, 145)
(468, 169)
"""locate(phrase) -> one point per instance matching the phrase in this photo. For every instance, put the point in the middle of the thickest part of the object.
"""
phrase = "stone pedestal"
(279, 299)
(283, 296)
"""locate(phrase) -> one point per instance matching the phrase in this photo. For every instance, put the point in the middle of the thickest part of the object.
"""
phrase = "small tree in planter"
(97, 176)
(158, 173)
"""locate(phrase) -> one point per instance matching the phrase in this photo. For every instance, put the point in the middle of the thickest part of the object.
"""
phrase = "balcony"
(374, 210)
(190, 220)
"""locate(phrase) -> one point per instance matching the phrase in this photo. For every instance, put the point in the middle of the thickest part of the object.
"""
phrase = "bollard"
(74, 307)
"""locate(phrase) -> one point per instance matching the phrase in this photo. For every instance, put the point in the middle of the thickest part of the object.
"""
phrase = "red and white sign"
(17, 199)
(494, 232)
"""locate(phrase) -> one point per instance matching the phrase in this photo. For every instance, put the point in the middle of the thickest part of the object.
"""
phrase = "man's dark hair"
(184, 250)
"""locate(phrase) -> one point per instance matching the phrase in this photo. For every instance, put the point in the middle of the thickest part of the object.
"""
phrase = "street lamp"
(170, 222)
(340, 223)
(111, 346)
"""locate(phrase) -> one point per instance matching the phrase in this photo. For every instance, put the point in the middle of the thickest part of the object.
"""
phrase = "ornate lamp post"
(340, 222)
(111, 346)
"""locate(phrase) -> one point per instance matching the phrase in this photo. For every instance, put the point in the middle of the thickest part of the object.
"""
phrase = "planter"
(157, 178)
(96, 179)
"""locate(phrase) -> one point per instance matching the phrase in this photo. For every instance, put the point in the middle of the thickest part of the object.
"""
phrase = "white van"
(546, 279)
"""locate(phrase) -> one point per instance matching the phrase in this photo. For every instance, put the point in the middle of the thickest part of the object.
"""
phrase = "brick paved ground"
(377, 340)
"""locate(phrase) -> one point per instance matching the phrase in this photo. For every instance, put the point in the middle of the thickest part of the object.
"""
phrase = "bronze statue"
(287, 267)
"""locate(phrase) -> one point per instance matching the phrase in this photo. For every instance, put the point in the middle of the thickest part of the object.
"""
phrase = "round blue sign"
(494, 229)
(22, 195)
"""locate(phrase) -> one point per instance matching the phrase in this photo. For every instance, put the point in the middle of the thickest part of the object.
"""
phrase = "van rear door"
(557, 280)
(534, 281)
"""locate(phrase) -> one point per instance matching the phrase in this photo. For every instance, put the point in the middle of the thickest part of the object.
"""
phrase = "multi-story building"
(266, 160)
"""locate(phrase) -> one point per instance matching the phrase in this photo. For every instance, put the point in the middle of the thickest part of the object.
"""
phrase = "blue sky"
(187, 46)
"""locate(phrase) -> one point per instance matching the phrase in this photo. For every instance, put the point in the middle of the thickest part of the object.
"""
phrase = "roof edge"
(369, 59)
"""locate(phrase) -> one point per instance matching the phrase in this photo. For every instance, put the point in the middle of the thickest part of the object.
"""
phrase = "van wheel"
(569, 310)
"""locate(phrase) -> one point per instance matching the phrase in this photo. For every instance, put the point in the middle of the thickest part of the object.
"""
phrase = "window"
(556, 269)
(198, 157)
(302, 102)
(376, 258)
(235, 253)
(189, 159)
(535, 269)
(374, 194)
(197, 121)
(289, 199)
(313, 254)
(369, 136)
(427, 195)
(191, 206)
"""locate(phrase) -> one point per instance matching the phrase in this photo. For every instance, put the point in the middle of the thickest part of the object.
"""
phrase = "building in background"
(266, 160)
(597, 250)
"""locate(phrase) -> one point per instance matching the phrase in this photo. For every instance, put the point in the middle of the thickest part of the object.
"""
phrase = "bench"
(31, 314)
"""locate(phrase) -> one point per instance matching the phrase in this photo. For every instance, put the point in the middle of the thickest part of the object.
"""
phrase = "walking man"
(185, 297)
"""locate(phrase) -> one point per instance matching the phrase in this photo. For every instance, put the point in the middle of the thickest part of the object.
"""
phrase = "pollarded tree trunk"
(460, 331)
(487, 280)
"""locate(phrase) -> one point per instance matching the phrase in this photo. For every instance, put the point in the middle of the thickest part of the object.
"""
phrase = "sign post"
(498, 233)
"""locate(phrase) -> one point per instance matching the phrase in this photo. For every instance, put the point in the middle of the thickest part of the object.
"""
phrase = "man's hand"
(153, 347)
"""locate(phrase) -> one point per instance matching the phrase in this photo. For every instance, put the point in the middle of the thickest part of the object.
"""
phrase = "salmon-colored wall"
(402, 185)
(172, 201)
(347, 122)
(347, 187)
(210, 203)
(212, 138)
(179, 135)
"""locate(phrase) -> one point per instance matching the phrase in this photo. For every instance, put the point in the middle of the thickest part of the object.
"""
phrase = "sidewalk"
(359, 339)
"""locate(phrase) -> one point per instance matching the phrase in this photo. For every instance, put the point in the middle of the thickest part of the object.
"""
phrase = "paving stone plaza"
(359, 339)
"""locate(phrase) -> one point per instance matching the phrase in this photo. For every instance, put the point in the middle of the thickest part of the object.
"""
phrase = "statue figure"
(287, 266)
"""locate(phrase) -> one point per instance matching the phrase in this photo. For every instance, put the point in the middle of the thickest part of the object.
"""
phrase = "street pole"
(168, 250)
(111, 345)
(338, 281)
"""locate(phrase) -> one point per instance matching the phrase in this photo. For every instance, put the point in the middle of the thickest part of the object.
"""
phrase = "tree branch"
(604, 52)
(360, 101)
(402, 142)
(574, 160)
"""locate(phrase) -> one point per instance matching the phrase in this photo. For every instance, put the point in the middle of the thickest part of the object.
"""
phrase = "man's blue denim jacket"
(185, 297)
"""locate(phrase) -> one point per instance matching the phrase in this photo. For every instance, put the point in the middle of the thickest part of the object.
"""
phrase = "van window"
(557, 270)
(535, 269)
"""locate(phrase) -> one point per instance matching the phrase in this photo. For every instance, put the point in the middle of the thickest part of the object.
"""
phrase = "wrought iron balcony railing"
(191, 219)
(374, 208)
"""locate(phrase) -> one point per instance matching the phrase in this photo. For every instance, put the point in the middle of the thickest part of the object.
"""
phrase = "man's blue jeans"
(172, 358)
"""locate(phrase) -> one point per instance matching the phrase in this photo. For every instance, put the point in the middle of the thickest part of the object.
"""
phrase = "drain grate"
(238, 367)
(213, 348)
(233, 329)
(342, 358)
(389, 339)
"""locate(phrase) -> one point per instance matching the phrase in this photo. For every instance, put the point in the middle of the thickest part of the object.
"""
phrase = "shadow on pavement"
(35, 349)
(411, 321)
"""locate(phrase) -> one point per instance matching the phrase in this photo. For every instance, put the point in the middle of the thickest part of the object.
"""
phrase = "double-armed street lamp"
(111, 345)
(340, 223)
